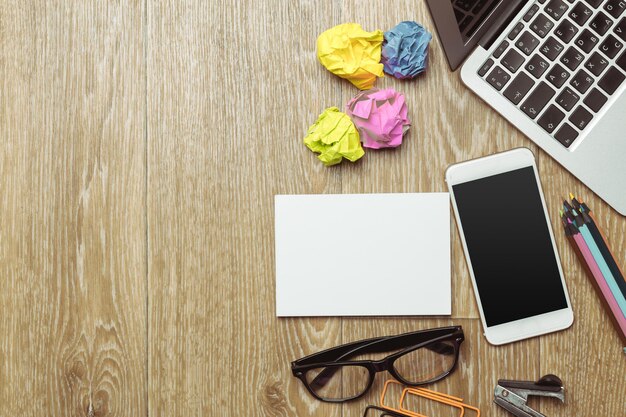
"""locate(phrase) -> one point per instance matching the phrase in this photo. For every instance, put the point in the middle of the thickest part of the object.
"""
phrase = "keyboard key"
(516, 31)
(581, 117)
(459, 15)
(580, 13)
(567, 99)
(620, 29)
(566, 31)
(531, 12)
(615, 7)
(542, 25)
(587, 40)
(551, 48)
(465, 23)
(551, 118)
(582, 81)
(594, 3)
(558, 75)
(483, 70)
(601, 23)
(500, 49)
(537, 66)
(498, 78)
(566, 135)
(464, 4)
(611, 80)
(621, 61)
(527, 43)
(537, 100)
(556, 9)
(479, 5)
(596, 63)
(572, 58)
(611, 46)
(595, 100)
(518, 88)
(512, 60)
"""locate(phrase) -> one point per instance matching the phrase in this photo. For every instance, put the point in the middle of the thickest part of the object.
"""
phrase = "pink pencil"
(604, 288)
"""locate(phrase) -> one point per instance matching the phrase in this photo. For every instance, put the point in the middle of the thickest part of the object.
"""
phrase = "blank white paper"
(363, 254)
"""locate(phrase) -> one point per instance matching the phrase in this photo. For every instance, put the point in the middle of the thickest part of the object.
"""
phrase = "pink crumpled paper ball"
(381, 117)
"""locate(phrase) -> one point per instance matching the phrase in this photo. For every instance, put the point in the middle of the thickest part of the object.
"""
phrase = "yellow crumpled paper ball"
(334, 137)
(352, 53)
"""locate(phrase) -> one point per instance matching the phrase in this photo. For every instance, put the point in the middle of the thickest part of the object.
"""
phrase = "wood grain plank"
(588, 357)
(72, 232)
(231, 92)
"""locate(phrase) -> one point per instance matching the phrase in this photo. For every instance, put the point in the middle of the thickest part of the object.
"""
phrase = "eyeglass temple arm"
(375, 347)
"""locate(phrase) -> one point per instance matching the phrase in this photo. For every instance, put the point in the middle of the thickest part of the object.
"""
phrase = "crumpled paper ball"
(352, 53)
(334, 136)
(381, 116)
(405, 50)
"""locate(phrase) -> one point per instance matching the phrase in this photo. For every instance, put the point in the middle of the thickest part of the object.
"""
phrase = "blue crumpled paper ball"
(405, 50)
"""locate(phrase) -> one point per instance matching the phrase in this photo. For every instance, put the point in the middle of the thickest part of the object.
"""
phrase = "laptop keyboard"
(561, 63)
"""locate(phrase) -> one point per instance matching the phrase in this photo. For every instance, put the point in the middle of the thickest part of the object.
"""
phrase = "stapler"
(512, 395)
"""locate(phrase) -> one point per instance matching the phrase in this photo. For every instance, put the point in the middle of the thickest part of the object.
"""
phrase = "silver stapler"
(512, 395)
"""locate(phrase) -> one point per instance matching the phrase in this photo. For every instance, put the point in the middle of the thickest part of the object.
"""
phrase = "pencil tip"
(571, 196)
(566, 206)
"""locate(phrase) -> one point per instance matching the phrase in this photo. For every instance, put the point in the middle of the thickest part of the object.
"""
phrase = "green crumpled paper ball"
(334, 137)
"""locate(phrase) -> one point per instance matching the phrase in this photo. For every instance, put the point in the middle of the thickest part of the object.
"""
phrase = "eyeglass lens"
(338, 382)
(426, 363)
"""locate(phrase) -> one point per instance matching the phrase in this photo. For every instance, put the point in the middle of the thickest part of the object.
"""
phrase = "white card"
(363, 254)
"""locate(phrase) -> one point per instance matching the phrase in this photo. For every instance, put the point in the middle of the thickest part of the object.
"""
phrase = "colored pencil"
(593, 251)
(604, 268)
(605, 252)
(602, 243)
(599, 284)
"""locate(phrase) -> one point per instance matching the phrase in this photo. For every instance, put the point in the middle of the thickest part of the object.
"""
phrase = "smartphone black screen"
(509, 245)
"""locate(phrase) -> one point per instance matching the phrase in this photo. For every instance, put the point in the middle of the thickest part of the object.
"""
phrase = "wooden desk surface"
(141, 148)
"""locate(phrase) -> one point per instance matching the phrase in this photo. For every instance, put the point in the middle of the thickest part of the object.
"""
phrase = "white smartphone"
(509, 246)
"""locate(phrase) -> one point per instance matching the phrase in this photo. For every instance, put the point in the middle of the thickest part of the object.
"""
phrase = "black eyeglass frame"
(335, 357)
(385, 411)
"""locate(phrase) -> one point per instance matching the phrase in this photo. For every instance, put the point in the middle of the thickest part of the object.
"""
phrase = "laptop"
(555, 69)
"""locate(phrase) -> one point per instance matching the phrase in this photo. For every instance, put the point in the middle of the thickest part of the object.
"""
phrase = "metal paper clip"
(513, 395)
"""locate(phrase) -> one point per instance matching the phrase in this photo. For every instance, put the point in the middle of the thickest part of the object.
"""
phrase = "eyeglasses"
(420, 358)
